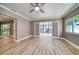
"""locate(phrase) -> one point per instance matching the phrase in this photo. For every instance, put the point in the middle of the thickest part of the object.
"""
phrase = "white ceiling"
(4, 18)
(52, 10)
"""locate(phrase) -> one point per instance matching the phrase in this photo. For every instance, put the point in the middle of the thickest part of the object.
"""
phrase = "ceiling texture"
(4, 18)
(51, 10)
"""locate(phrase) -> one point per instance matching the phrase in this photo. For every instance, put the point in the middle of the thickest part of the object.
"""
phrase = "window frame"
(72, 32)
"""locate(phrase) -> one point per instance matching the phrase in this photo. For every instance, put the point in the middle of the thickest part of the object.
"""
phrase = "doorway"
(5, 29)
(45, 28)
(8, 30)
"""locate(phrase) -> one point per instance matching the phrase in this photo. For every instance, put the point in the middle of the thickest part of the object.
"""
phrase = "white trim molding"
(24, 38)
(36, 35)
(74, 45)
(73, 8)
(4, 7)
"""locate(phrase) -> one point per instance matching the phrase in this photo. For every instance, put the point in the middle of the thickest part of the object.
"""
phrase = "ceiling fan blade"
(31, 4)
(41, 10)
(31, 10)
(42, 4)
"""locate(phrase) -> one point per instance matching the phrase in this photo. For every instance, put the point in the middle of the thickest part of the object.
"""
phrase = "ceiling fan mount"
(37, 7)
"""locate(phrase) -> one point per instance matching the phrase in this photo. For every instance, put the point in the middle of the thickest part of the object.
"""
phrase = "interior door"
(55, 32)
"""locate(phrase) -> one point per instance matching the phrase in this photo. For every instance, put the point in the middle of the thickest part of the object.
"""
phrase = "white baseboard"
(56, 37)
(35, 35)
(76, 46)
(23, 38)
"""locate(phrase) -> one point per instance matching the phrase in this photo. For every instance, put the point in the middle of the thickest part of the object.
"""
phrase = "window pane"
(69, 25)
(76, 24)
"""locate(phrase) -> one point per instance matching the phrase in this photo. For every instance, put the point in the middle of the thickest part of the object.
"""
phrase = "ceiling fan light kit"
(37, 8)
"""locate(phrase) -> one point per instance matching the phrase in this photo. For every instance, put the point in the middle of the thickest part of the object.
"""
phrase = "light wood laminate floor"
(43, 45)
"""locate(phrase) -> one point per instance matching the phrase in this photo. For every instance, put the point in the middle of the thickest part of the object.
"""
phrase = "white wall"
(23, 28)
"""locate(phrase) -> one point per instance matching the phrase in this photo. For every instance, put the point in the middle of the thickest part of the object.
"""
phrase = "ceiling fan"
(37, 7)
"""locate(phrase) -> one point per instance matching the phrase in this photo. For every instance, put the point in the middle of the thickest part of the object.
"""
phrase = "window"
(69, 25)
(76, 24)
(72, 24)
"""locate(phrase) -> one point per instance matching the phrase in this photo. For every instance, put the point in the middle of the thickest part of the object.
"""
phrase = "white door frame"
(15, 29)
